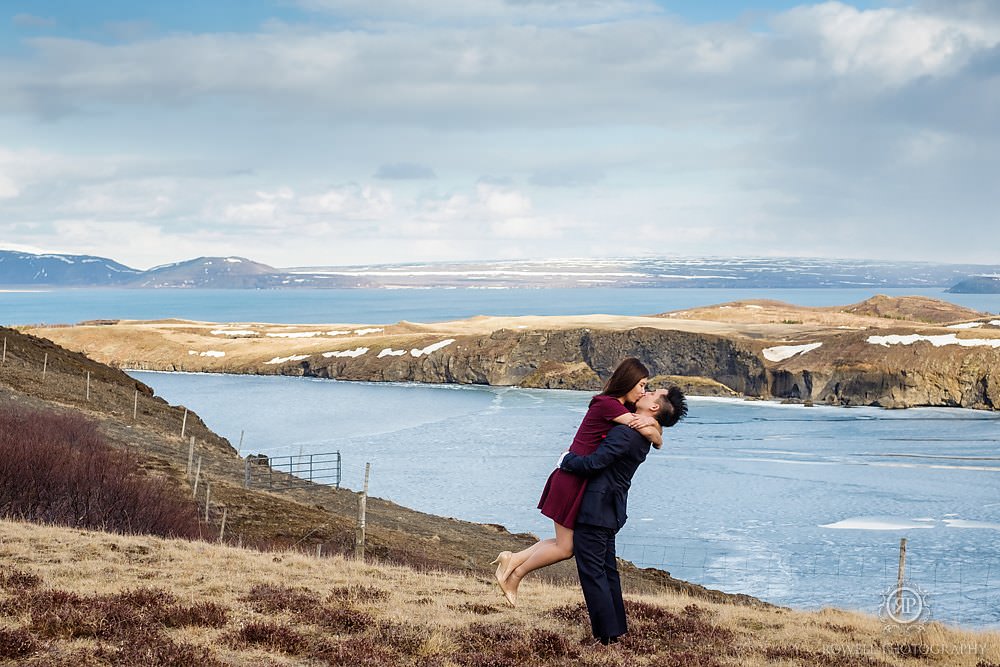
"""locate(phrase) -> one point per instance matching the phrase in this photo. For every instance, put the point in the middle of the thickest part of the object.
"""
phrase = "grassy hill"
(75, 597)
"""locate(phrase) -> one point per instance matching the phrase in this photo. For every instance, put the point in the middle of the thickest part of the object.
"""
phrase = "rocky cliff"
(559, 359)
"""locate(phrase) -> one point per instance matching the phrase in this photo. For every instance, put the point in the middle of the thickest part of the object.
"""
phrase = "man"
(603, 509)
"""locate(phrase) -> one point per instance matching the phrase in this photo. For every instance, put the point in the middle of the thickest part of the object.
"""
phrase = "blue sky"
(305, 132)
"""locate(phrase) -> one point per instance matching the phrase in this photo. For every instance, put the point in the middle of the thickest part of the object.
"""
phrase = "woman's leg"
(537, 556)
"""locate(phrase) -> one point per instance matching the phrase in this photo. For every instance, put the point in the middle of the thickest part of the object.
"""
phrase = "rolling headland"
(887, 352)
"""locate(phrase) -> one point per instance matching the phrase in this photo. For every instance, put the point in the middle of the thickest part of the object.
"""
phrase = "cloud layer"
(511, 129)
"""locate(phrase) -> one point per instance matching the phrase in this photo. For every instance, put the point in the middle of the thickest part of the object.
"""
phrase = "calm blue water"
(800, 506)
(388, 306)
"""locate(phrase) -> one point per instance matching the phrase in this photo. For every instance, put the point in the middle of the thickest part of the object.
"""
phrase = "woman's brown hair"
(626, 376)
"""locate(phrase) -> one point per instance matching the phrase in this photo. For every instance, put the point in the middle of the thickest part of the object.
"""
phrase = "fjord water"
(800, 506)
(386, 306)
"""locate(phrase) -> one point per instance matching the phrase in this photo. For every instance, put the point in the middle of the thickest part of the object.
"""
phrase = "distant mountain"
(716, 272)
(235, 273)
(219, 272)
(22, 268)
(977, 285)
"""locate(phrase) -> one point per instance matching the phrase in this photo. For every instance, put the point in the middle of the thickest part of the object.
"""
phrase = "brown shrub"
(343, 620)
(475, 608)
(269, 599)
(359, 594)
(269, 636)
(571, 613)
(654, 629)
(78, 658)
(357, 652)
(93, 619)
(785, 653)
(685, 659)
(58, 469)
(485, 645)
(61, 614)
(19, 580)
(401, 637)
(202, 614)
(152, 647)
(17, 643)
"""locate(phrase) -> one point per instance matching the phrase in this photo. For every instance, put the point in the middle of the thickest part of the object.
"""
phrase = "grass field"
(76, 597)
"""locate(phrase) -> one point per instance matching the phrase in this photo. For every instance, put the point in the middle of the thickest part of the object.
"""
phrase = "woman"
(563, 491)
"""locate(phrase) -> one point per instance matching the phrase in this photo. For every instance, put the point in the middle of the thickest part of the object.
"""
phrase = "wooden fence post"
(88, 385)
(184, 422)
(900, 575)
(135, 405)
(197, 476)
(208, 498)
(4, 350)
(190, 458)
(359, 538)
(45, 365)
(222, 531)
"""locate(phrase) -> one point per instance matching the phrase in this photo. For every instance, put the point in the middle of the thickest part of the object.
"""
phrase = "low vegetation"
(72, 597)
(57, 468)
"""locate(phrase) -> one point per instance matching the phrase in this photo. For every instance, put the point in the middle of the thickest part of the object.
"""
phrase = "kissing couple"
(587, 494)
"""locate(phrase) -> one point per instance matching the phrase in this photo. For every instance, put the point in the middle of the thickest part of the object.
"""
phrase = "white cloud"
(889, 45)
(354, 202)
(823, 125)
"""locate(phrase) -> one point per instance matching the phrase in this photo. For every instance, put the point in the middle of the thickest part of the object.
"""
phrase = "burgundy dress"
(563, 491)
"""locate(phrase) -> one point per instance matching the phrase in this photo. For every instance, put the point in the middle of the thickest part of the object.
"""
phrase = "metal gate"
(291, 472)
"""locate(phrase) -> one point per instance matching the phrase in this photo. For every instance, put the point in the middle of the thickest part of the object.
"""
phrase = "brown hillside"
(913, 308)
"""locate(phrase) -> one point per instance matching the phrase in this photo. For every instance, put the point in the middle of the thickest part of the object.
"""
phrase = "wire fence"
(957, 586)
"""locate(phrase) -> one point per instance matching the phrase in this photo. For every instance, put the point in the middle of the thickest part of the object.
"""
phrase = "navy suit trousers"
(594, 548)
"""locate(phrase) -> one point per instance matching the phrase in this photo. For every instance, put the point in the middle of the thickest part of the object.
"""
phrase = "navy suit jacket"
(609, 470)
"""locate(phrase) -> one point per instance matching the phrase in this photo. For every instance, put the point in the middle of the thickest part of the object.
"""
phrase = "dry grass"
(70, 596)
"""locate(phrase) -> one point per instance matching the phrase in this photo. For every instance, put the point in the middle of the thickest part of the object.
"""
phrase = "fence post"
(319, 551)
(197, 476)
(184, 422)
(88, 385)
(4, 350)
(359, 539)
(246, 473)
(222, 531)
(45, 365)
(135, 405)
(208, 498)
(900, 574)
(239, 448)
(190, 458)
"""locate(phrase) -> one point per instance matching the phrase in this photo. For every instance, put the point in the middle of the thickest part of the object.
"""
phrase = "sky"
(333, 132)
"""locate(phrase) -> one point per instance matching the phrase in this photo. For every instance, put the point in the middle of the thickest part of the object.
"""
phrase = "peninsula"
(888, 352)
